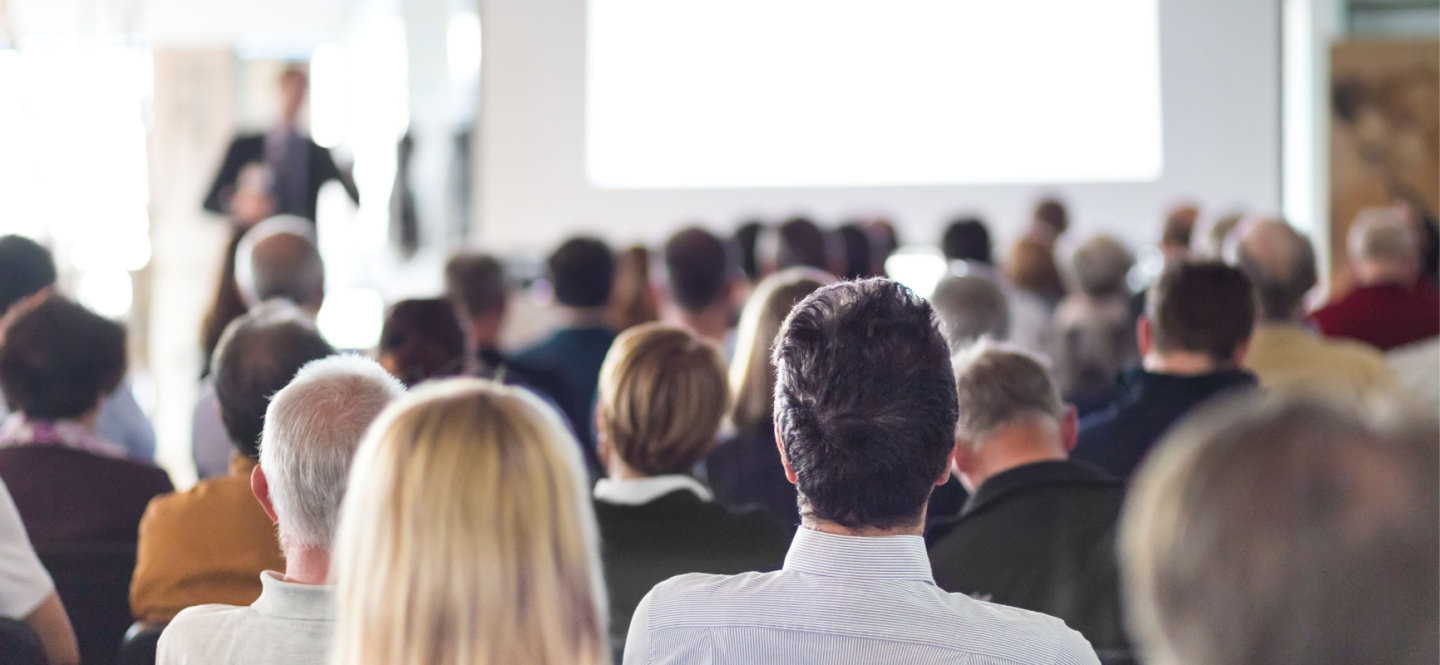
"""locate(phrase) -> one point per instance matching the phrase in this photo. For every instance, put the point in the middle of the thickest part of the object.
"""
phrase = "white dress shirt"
(841, 599)
(640, 491)
(290, 624)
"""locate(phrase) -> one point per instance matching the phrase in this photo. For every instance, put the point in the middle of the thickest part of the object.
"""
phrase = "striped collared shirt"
(841, 599)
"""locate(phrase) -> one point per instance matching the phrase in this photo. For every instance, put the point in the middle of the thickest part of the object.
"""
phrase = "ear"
(1144, 335)
(963, 463)
(784, 460)
(1238, 358)
(602, 443)
(952, 468)
(1070, 428)
(260, 486)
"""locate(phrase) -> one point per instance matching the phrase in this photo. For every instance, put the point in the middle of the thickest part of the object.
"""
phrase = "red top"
(1385, 316)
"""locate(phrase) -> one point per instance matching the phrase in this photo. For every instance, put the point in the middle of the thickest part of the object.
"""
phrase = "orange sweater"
(205, 545)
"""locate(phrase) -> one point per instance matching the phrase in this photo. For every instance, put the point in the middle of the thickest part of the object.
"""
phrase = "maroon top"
(1385, 316)
(73, 496)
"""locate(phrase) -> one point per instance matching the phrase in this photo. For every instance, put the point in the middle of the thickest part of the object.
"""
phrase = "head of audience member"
(663, 394)
(294, 84)
(1285, 533)
(475, 286)
(1198, 319)
(970, 308)
(27, 276)
(60, 360)
(1090, 341)
(257, 356)
(278, 258)
(855, 243)
(467, 536)
(422, 340)
(1032, 268)
(1048, 222)
(1101, 266)
(700, 276)
(967, 239)
(800, 243)
(1217, 238)
(747, 241)
(312, 428)
(865, 407)
(1384, 249)
(1011, 414)
(1178, 231)
(752, 370)
(582, 272)
(633, 300)
(1280, 262)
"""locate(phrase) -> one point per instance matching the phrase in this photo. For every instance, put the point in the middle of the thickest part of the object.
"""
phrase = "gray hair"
(999, 386)
(1383, 235)
(312, 428)
(1101, 266)
(1284, 532)
(970, 308)
(1280, 262)
(277, 258)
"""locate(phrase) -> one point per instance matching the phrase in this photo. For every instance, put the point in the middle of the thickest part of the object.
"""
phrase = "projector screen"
(826, 93)
(629, 119)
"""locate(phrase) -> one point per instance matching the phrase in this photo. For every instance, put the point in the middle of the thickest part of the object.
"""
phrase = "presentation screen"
(826, 93)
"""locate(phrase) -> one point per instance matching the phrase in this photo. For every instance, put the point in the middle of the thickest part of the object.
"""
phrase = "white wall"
(1220, 95)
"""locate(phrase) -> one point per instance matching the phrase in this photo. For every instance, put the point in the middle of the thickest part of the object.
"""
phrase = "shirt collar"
(877, 558)
(19, 430)
(638, 491)
(288, 600)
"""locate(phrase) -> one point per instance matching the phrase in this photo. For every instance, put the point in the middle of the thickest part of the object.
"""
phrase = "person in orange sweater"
(210, 543)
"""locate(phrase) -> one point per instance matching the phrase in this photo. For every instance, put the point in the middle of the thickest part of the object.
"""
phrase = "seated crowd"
(764, 452)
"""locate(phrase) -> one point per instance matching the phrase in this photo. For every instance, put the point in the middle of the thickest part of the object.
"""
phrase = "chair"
(93, 580)
(19, 645)
(140, 643)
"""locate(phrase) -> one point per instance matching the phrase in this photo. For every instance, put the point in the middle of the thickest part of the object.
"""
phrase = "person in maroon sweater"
(1390, 305)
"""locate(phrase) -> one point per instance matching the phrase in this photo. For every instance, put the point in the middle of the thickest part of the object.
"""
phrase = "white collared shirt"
(640, 491)
(290, 624)
(841, 599)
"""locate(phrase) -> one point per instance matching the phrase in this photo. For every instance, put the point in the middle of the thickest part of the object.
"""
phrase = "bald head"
(278, 259)
(1384, 248)
(1280, 262)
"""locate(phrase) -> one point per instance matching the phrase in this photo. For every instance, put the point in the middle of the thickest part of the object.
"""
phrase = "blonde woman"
(467, 538)
(745, 468)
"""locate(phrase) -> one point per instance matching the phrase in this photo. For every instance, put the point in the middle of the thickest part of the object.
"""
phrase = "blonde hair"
(663, 395)
(752, 373)
(467, 536)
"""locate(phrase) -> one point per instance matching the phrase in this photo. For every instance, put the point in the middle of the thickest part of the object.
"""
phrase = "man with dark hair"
(967, 239)
(1049, 221)
(27, 278)
(1194, 333)
(700, 272)
(798, 243)
(865, 412)
(582, 272)
(210, 543)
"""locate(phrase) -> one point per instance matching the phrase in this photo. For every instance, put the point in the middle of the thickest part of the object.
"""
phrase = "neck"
(307, 565)
(1181, 363)
(1015, 447)
(822, 526)
(586, 317)
(89, 420)
(710, 323)
(1384, 274)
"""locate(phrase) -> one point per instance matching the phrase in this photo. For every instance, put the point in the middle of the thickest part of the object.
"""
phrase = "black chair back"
(19, 645)
(93, 580)
(140, 643)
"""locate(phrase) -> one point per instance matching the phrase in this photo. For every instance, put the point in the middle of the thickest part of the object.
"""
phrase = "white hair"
(312, 429)
(251, 284)
(1382, 234)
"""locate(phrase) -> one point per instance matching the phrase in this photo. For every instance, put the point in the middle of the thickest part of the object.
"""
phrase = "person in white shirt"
(27, 593)
(312, 428)
(865, 417)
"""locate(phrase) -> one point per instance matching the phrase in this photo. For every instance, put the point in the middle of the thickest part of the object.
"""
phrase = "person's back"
(866, 411)
(1390, 306)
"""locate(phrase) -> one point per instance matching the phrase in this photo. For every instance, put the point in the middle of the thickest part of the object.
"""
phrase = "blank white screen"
(801, 93)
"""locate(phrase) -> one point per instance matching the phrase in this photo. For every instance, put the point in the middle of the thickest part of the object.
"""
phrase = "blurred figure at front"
(1390, 305)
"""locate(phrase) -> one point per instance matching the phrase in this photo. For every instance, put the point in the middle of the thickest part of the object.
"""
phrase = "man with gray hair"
(1038, 531)
(1285, 353)
(278, 259)
(1285, 532)
(1390, 305)
(970, 308)
(312, 428)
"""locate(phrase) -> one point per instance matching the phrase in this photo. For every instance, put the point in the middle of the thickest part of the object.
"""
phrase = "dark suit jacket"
(575, 355)
(745, 471)
(72, 496)
(250, 149)
(675, 534)
(1039, 537)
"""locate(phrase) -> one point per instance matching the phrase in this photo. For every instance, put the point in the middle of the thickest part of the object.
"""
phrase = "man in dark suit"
(296, 166)
(1038, 532)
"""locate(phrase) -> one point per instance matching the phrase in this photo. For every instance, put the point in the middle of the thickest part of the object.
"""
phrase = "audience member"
(210, 544)
(1093, 333)
(1195, 331)
(277, 258)
(866, 413)
(633, 301)
(884, 240)
(1032, 270)
(1048, 222)
(1178, 232)
(799, 243)
(27, 278)
(700, 278)
(663, 394)
(312, 428)
(582, 272)
(856, 254)
(745, 468)
(970, 308)
(1101, 266)
(1218, 237)
(1284, 352)
(967, 239)
(467, 536)
(27, 593)
(422, 340)
(747, 239)
(967, 247)
(70, 484)
(1285, 533)
(1390, 305)
(226, 305)
(1038, 531)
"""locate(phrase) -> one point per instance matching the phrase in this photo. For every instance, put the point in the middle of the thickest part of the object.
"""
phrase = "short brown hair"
(663, 395)
(1201, 307)
(59, 359)
(475, 284)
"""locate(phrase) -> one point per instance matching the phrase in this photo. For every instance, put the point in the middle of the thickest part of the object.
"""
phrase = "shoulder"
(1026, 635)
(195, 627)
(194, 502)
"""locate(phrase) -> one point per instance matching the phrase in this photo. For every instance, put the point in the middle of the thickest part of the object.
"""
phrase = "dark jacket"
(250, 149)
(1040, 537)
(675, 534)
(1118, 438)
(745, 471)
(575, 355)
(68, 496)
